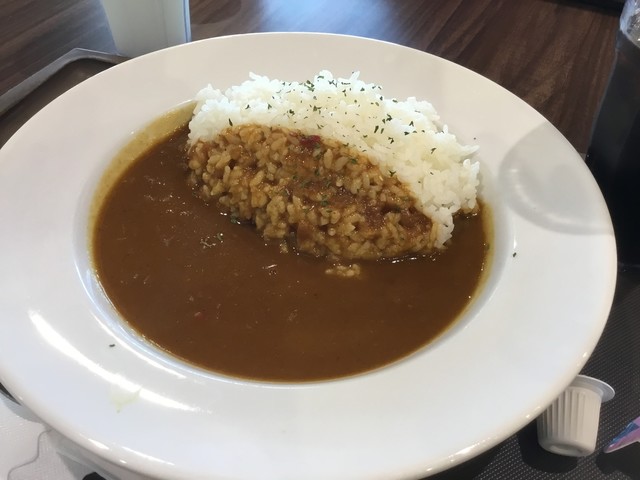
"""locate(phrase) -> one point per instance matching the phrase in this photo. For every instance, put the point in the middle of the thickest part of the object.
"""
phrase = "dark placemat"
(615, 5)
(615, 360)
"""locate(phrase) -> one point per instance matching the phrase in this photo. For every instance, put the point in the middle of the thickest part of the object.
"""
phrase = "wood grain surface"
(555, 55)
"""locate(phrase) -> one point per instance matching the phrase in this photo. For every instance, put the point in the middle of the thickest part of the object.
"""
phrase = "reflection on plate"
(64, 355)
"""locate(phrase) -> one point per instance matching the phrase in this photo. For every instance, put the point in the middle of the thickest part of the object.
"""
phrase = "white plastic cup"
(569, 426)
(143, 26)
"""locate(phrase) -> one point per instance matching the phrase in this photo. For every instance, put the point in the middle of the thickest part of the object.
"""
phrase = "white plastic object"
(143, 26)
(569, 426)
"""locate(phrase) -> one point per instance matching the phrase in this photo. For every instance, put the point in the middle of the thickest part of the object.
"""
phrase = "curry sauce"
(211, 292)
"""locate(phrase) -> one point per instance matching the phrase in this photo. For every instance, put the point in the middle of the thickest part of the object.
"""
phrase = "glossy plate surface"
(526, 336)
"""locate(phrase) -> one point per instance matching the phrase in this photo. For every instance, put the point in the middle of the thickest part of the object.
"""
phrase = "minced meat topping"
(320, 196)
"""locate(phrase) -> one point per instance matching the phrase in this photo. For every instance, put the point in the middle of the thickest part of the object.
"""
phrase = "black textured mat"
(616, 360)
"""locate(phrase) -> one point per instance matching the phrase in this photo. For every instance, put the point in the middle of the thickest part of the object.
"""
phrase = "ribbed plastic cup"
(569, 426)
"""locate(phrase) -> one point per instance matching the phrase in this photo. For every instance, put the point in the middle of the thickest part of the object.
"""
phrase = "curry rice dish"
(193, 277)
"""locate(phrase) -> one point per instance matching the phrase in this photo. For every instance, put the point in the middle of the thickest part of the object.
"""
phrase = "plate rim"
(454, 457)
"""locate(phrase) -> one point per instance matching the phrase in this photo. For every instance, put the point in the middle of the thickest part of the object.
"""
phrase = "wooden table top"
(554, 54)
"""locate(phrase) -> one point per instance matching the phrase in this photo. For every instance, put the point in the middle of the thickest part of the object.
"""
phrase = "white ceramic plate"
(522, 341)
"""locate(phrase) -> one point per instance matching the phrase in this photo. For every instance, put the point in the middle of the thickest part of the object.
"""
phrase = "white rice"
(404, 138)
